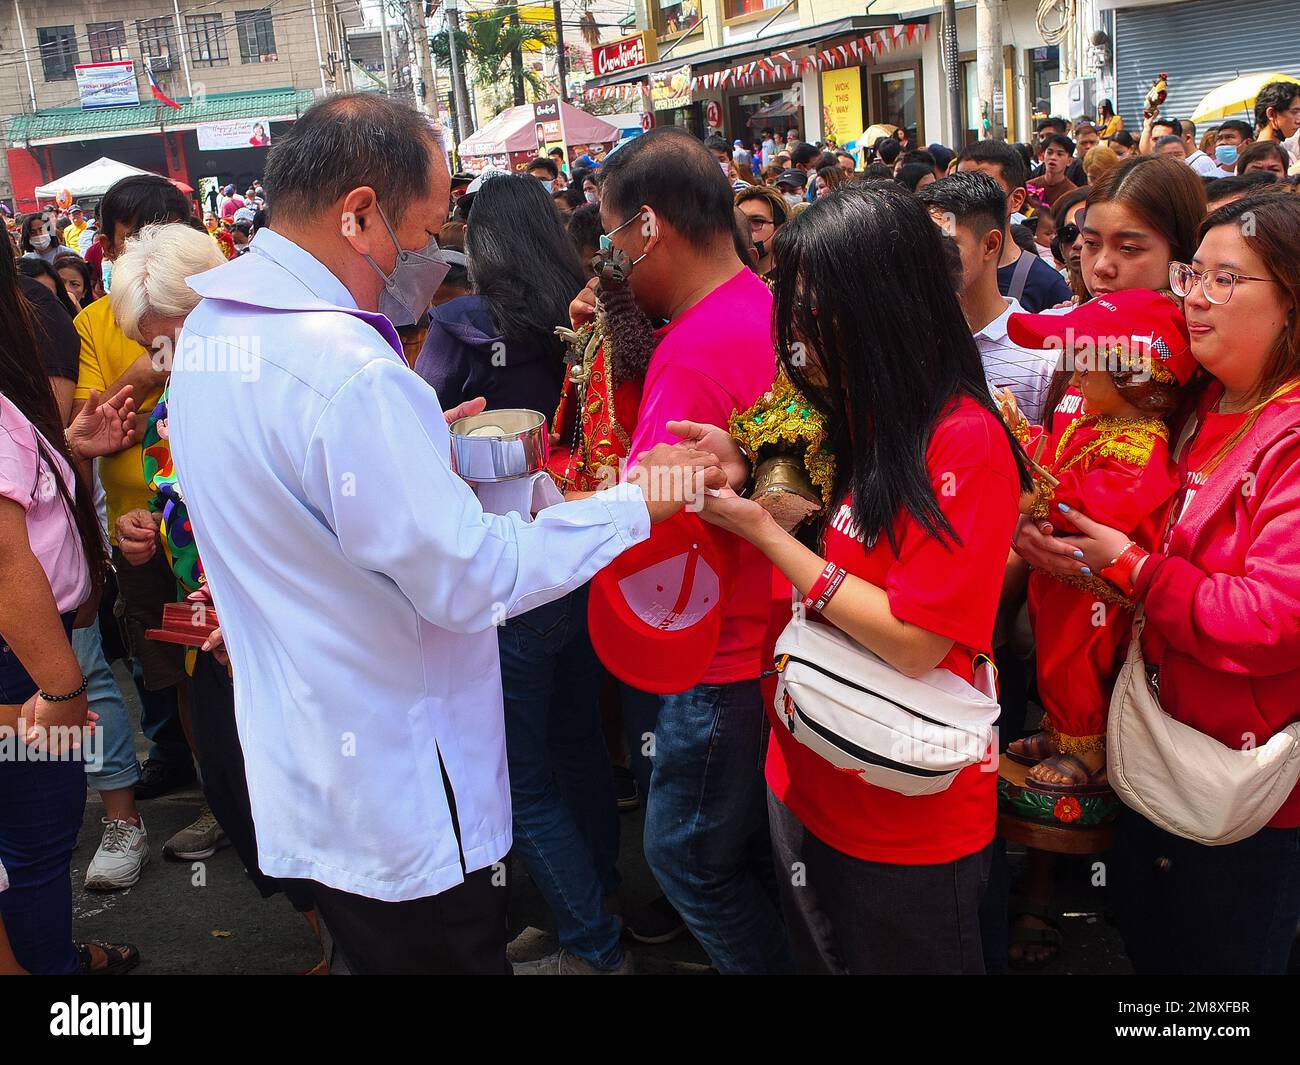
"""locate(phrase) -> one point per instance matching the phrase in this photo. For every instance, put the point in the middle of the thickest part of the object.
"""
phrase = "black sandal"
(1023, 937)
(122, 958)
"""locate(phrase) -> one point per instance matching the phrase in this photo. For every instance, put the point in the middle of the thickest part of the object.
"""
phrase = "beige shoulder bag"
(1182, 780)
(1179, 778)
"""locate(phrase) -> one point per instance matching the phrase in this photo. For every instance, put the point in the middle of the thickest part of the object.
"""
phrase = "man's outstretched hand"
(675, 475)
(470, 407)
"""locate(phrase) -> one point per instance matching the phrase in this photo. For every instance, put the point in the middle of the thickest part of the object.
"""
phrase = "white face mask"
(792, 198)
(591, 197)
(40, 241)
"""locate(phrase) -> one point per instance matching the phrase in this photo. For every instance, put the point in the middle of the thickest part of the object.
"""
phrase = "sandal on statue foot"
(1034, 749)
(1083, 781)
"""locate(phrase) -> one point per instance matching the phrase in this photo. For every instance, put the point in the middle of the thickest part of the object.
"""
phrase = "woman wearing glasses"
(1222, 598)
(767, 212)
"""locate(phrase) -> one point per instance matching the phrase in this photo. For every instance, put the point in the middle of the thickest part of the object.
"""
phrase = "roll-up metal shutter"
(1201, 44)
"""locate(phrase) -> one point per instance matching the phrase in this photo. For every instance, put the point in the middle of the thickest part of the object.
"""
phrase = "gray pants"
(846, 915)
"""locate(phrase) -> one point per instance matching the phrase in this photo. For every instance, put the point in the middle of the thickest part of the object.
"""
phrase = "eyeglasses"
(758, 223)
(607, 239)
(1216, 284)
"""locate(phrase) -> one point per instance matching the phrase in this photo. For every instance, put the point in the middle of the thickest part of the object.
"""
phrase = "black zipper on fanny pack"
(861, 753)
(867, 691)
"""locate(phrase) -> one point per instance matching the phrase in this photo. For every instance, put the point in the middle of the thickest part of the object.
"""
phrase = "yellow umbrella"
(1236, 97)
(868, 136)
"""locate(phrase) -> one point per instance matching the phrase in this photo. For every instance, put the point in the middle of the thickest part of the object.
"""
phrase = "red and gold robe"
(1117, 472)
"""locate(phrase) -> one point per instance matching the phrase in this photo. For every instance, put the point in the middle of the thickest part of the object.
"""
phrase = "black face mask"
(761, 248)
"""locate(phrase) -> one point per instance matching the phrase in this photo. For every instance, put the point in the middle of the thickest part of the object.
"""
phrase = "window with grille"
(207, 40)
(256, 36)
(155, 36)
(58, 48)
(107, 41)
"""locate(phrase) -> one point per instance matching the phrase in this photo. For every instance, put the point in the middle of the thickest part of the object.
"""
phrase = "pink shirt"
(51, 529)
(712, 360)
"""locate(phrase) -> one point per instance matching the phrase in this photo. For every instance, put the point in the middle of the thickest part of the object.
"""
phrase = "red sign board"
(623, 54)
(713, 115)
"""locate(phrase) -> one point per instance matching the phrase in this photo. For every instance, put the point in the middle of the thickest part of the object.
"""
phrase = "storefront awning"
(765, 45)
(61, 124)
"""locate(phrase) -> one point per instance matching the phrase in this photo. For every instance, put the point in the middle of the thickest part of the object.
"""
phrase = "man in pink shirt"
(665, 203)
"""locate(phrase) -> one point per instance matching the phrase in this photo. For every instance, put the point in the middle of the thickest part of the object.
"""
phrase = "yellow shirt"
(72, 233)
(106, 353)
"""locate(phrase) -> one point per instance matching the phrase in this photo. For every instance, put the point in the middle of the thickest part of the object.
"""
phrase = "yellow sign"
(670, 89)
(842, 104)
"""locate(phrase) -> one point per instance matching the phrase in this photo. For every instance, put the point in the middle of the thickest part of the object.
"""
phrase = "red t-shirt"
(1069, 409)
(712, 360)
(951, 589)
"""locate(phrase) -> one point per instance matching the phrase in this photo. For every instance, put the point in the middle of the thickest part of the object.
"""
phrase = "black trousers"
(846, 915)
(222, 774)
(462, 931)
(1184, 908)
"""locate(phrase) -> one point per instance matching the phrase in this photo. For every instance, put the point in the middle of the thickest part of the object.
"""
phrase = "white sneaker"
(122, 854)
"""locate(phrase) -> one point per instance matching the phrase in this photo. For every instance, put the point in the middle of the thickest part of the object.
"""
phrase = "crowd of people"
(244, 407)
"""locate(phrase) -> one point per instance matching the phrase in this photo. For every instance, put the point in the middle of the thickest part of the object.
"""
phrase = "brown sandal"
(1037, 747)
(1084, 781)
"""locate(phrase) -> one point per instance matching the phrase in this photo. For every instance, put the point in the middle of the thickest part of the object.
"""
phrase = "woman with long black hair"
(915, 540)
(52, 564)
(500, 343)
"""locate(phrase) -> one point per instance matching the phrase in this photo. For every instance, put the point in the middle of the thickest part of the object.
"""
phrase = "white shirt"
(1026, 371)
(1203, 164)
(357, 580)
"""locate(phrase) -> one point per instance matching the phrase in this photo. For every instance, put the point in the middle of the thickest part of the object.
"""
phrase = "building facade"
(835, 67)
(75, 83)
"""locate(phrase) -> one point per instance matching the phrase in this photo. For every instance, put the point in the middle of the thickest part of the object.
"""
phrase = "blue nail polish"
(1078, 554)
(1063, 507)
(1087, 572)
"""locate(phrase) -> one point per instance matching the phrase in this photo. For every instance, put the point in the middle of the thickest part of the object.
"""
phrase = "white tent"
(94, 179)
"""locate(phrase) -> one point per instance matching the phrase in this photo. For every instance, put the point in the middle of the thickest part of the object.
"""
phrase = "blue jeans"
(706, 836)
(117, 767)
(160, 721)
(41, 806)
(561, 787)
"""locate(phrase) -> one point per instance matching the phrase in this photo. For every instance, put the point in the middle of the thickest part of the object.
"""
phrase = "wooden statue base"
(1062, 824)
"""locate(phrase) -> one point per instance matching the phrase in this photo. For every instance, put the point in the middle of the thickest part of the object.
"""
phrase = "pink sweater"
(1223, 601)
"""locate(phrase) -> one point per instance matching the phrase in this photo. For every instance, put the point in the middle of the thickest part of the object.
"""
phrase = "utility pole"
(423, 59)
(561, 60)
(988, 66)
(956, 131)
(517, 63)
(459, 93)
(383, 40)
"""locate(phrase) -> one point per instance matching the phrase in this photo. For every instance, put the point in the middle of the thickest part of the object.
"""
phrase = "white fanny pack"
(910, 735)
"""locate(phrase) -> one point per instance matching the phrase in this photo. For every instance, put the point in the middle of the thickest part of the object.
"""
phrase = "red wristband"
(1120, 571)
(824, 587)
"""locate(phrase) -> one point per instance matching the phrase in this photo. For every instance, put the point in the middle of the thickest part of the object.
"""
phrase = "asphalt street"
(206, 917)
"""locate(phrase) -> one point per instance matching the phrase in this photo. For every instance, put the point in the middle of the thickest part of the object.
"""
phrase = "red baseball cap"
(655, 612)
(1136, 323)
